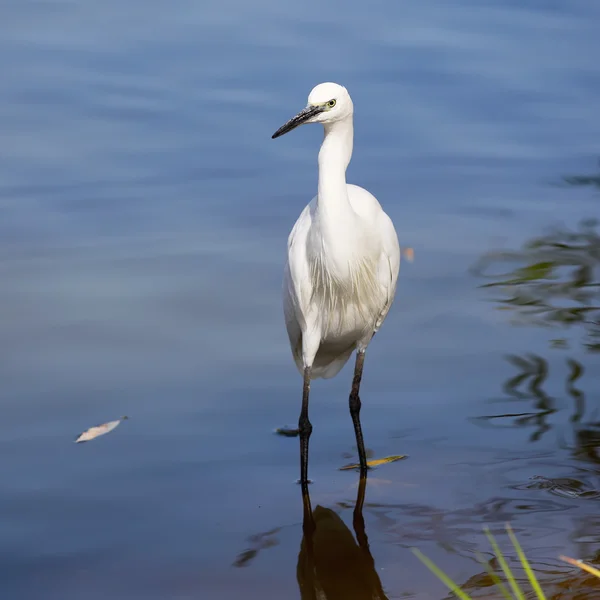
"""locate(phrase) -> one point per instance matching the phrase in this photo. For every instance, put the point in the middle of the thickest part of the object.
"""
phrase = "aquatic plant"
(509, 589)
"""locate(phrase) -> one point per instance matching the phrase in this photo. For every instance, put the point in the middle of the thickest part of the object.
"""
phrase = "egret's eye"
(331, 104)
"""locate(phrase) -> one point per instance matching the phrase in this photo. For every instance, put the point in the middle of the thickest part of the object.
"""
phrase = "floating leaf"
(376, 462)
(581, 565)
(98, 430)
(409, 254)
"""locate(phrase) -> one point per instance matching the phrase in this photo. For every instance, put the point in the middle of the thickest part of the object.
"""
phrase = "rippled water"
(144, 212)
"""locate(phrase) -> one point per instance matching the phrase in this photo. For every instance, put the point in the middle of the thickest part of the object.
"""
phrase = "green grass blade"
(530, 574)
(494, 576)
(441, 575)
(507, 572)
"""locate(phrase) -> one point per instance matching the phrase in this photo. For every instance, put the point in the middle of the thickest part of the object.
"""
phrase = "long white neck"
(334, 157)
(342, 271)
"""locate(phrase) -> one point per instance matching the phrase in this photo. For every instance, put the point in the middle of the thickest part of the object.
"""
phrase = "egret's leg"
(305, 428)
(355, 411)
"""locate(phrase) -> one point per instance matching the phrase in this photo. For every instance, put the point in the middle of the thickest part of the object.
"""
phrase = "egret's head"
(327, 103)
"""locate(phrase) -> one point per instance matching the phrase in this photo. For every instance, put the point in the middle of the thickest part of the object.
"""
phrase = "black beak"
(299, 119)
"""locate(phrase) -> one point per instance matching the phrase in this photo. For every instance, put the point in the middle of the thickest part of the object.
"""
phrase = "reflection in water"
(583, 180)
(331, 563)
(562, 486)
(259, 542)
(533, 371)
(554, 283)
(527, 385)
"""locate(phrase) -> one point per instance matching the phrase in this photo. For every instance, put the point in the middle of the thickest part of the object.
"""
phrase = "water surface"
(144, 212)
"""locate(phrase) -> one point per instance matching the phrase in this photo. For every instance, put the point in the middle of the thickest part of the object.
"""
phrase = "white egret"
(342, 265)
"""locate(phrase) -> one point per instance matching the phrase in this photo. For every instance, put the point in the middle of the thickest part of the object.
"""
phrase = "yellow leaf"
(375, 463)
(581, 565)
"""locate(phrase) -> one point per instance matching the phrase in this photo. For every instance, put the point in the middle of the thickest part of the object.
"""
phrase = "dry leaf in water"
(98, 430)
(409, 254)
(583, 566)
(376, 462)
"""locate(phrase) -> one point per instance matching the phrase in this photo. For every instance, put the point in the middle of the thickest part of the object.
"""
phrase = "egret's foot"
(287, 432)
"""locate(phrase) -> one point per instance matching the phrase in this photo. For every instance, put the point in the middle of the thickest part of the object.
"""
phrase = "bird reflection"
(332, 564)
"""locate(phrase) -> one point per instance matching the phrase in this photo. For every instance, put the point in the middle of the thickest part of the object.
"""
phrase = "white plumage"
(343, 254)
(342, 265)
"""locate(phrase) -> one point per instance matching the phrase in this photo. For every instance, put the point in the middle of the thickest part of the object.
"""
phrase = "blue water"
(144, 211)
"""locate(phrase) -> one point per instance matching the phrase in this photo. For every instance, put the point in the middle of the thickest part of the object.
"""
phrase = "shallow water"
(144, 212)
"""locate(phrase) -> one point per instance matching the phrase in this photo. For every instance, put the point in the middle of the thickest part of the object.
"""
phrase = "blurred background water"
(144, 212)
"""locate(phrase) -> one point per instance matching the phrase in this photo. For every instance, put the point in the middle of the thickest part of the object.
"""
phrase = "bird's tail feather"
(326, 364)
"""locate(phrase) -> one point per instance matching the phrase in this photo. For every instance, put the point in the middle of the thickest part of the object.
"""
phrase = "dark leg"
(355, 412)
(376, 589)
(308, 522)
(305, 428)
(306, 558)
(358, 519)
